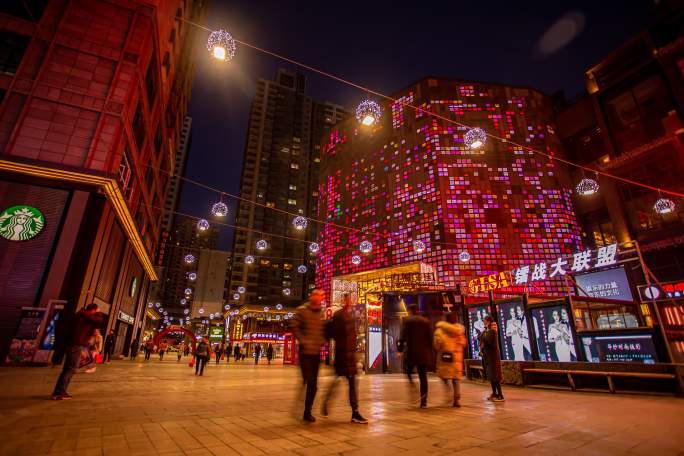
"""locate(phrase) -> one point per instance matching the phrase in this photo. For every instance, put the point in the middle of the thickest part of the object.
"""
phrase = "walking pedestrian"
(96, 346)
(229, 352)
(163, 346)
(110, 342)
(236, 350)
(308, 328)
(218, 352)
(269, 353)
(416, 340)
(491, 358)
(135, 346)
(149, 348)
(201, 356)
(257, 353)
(187, 350)
(342, 329)
(181, 350)
(449, 341)
(85, 322)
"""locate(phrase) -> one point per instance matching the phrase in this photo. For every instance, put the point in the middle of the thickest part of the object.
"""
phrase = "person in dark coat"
(257, 353)
(202, 353)
(86, 321)
(236, 351)
(342, 328)
(135, 346)
(269, 353)
(219, 352)
(110, 342)
(491, 358)
(229, 352)
(416, 342)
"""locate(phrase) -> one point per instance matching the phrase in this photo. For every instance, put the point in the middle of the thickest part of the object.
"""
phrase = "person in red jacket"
(86, 321)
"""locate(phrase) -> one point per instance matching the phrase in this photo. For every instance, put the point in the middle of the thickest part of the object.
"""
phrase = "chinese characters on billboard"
(634, 348)
(610, 283)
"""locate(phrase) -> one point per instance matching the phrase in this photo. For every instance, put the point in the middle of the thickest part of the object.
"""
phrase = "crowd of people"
(421, 348)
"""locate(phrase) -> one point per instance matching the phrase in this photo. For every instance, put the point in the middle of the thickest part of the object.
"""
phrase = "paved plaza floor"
(148, 408)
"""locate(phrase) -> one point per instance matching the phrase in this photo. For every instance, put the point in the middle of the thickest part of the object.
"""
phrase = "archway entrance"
(176, 328)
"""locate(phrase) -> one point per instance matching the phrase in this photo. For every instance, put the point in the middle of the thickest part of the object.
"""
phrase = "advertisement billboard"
(554, 332)
(514, 334)
(609, 283)
(626, 348)
(476, 315)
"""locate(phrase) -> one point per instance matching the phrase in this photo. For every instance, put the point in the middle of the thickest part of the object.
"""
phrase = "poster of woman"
(555, 339)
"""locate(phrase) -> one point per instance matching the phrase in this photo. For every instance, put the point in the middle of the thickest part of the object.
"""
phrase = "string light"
(366, 247)
(301, 269)
(368, 112)
(356, 260)
(236, 296)
(464, 257)
(419, 246)
(157, 305)
(475, 138)
(300, 222)
(183, 301)
(192, 276)
(241, 289)
(664, 206)
(219, 209)
(314, 247)
(286, 291)
(201, 310)
(188, 291)
(249, 259)
(244, 317)
(279, 306)
(189, 258)
(261, 244)
(266, 308)
(202, 225)
(186, 311)
(587, 187)
(221, 45)
(227, 307)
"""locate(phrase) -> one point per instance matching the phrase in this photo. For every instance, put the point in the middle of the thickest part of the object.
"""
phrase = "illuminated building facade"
(410, 178)
(94, 94)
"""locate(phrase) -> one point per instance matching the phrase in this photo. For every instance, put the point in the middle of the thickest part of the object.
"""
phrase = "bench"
(479, 369)
(609, 375)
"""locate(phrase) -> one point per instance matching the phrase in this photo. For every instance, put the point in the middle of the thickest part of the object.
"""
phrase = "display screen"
(610, 284)
(553, 331)
(476, 315)
(514, 335)
(633, 348)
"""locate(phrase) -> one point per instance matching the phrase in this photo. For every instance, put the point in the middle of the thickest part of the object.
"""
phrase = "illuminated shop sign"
(580, 262)
(634, 348)
(216, 333)
(21, 223)
(665, 292)
(611, 284)
(123, 316)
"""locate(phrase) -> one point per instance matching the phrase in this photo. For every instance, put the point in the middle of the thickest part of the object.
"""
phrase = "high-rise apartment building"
(209, 289)
(93, 94)
(280, 170)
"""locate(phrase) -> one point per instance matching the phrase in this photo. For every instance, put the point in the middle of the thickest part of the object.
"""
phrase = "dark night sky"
(385, 46)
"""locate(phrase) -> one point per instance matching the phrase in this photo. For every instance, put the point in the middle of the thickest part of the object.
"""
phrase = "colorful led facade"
(410, 178)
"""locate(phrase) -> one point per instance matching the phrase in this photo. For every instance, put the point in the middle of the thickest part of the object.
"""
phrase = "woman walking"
(269, 353)
(201, 356)
(491, 358)
(449, 342)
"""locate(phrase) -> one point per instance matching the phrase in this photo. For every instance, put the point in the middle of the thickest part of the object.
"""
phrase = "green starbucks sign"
(21, 223)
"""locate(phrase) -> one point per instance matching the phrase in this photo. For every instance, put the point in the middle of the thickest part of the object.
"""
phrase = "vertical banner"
(374, 318)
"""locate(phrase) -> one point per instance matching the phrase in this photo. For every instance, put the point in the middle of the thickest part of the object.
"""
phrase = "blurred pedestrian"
(110, 342)
(163, 346)
(186, 352)
(181, 350)
(491, 358)
(86, 321)
(342, 328)
(269, 353)
(449, 341)
(229, 352)
(201, 356)
(219, 352)
(308, 328)
(257, 353)
(236, 350)
(149, 348)
(135, 346)
(96, 346)
(416, 340)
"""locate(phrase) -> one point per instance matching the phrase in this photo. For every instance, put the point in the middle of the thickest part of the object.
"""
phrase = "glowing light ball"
(475, 138)
(587, 187)
(202, 225)
(464, 257)
(157, 304)
(664, 206)
(219, 209)
(314, 247)
(244, 317)
(266, 308)
(286, 291)
(186, 311)
(221, 45)
(150, 305)
(368, 112)
(249, 259)
(356, 260)
(279, 307)
(301, 269)
(261, 244)
(241, 289)
(183, 301)
(189, 258)
(366, 247)
(192, 276)
(226, 307)
(419, 246)
(236, 296)
(188, 291)
(300, 222)
(201, 311)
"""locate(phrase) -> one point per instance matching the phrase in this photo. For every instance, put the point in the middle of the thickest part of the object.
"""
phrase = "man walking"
(416, 338)
(110, 342)
(342, 329)
(236, 352)
(86, 321)
(308, 328)
(149, 348)
(257, 353)
(218, 352)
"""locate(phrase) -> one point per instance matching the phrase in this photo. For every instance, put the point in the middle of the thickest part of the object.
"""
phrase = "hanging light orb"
(211, 316)
(157, 304)
(192, 276)
(244, 317)
(587, 187)
(236, 296)
(201, 311)
(286, 291)
(368, 112)
(202, 225)
(261, 244)
(183, 301)
(366, 247)
(219, 209)
(464, 257)
(188, 291)
(279, 306)
(150, 305)
(301, 269)
(189, 258)
(186, 311)
(221, 45)
(664, 206)
(266, 308)
(356, 259)
(166, 312)
(249, 259)
(241, 289)
(226, 307)
(300, 222)
(475, 138)
(419, 246)
(314, 247)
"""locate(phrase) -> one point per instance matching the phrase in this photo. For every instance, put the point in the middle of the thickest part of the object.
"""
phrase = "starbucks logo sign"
(21, 223)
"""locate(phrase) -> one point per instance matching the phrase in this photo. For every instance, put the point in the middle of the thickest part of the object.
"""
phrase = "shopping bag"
(99, 358)
(191, 363)
(223, 356)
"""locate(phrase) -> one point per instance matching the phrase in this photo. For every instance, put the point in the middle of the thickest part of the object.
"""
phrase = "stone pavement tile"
(245, 448)
(427, 444)
(334, 448)
(460, 443)
(375, 450)
(223, 450)
(302, 441)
